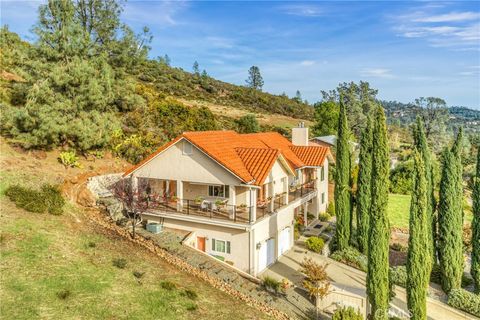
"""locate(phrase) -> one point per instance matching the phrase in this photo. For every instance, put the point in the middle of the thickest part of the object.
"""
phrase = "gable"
(173, 164)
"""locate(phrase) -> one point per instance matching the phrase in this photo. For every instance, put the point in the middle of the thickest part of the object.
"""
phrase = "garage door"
(266, 254)
(283, 241)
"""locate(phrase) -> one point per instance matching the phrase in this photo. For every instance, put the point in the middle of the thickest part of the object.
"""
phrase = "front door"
(284, 241)
(201, 243)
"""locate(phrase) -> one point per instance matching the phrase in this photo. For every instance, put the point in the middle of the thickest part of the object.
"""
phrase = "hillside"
(62, 267)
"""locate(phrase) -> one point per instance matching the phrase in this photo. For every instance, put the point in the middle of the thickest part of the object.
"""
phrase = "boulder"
(86, 198)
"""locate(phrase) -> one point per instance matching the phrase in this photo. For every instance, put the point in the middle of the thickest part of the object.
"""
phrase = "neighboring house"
(238, 193)
(325, 141)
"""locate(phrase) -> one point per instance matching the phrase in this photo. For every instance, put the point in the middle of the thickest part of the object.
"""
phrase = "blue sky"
(404, 49)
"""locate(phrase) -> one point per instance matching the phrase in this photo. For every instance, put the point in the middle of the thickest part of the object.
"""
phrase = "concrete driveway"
(350, 280)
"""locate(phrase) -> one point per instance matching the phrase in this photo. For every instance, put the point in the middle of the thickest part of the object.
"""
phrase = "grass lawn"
(61, 267)
(398, 210)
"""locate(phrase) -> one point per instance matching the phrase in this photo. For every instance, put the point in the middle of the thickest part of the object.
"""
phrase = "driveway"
(350, 280)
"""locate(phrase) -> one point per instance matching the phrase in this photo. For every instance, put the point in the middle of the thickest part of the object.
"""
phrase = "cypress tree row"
(475, 268)
(457, 153)
(419, 249)
(364, 189)
(450, 246)
(342, 180)
(420, 141)
(379, 235)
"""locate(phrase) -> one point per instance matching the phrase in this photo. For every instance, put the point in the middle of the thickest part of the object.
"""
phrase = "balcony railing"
(208, 209)
(301, 191)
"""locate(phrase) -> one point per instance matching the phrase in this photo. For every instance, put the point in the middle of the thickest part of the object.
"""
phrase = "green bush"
(315, 244)
(348, 313)
(464, 300)
(168, 285)
(352, 257)
(120, 263)
(69, 159)
(190, 294)
(48, 199)
(271, 283)
(398, 247)
(400, 178)
(331, 209)
(398, 275)
(138, 274)
(323, 217)
(63, 294)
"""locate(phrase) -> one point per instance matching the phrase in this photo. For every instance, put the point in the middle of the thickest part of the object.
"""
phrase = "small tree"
(316, 279)
(196, 68)
(248, 124)
(135, 199)
(255, 80)
(475, 268)
(298, 96)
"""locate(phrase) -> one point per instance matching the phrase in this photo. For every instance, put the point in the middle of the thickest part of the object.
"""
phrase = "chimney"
(300, 135)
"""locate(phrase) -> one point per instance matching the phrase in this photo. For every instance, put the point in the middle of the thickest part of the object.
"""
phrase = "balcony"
(212, 209)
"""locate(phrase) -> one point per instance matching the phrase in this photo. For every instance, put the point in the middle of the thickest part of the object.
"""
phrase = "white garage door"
(266, 254)
(283, 241)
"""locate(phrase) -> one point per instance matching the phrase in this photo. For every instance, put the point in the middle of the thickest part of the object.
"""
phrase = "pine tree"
(364, 188)
(420, 141)
(475, 268)
(379, 235)
(450, 246)
(342, 178)
(255, 79)
(419, 249)
(196, 68)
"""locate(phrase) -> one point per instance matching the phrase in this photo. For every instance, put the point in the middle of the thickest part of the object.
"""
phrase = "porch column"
(179, 195)
(285, 190)
(231, 202)
(252, 194)
(271, 193)
(305, 210)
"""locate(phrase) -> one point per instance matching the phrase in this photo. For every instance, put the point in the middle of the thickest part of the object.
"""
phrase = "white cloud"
(307, 63)
(450, 17)
(376, 73)
(454, 30)
(303, 10)
(161, 13)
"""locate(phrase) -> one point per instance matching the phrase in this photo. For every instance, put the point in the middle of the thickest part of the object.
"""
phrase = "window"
(218, 191)
(187, 148)
(323, 197)
(322, 174)
(220, 246)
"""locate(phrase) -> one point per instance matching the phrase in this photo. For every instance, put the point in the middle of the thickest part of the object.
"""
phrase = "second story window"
(218, 191)
(187, 148)
(322, 174)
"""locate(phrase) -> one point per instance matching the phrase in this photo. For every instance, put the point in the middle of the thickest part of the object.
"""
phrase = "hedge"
(47, 199)
(465, 300)
(351, 257)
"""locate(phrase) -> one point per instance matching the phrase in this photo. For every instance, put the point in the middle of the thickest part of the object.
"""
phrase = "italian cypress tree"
(421, 145)
(475, 268)
(450, 246)
(379, 235)
(342, 179)
(419, 250)
(457, 153)
(364, 188)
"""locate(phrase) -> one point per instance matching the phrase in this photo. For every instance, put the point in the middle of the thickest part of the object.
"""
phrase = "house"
(238, 194)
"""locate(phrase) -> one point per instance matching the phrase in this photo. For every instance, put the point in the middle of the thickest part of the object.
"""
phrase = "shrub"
(138, 274)
(331, 209)
(48, 199)
(192, 307)
(168, 285)
(91, 244)
(120, 263)
(398, 275)
(352, 257)
(323, 217)
(464, 300)
(63, 294)
(348, 313)
(271, 284)
(398, 247)
(315, 244)
(69, 159)
(190, 294)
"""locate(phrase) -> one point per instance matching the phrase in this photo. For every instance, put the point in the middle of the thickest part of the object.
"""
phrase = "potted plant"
(198, 200)
(242, 207)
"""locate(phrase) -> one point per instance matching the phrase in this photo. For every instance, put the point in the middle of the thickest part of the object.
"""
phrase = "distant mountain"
(405, 113)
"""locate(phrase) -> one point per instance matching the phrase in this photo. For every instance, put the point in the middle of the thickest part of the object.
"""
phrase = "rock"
(108, 155)
(86, 198)
(74, 180)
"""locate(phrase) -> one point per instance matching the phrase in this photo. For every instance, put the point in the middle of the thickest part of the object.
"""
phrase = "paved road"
(351, 279)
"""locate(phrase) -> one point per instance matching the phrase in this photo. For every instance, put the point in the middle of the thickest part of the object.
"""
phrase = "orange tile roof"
(248, 156)
(312, 155)
(258, 161)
